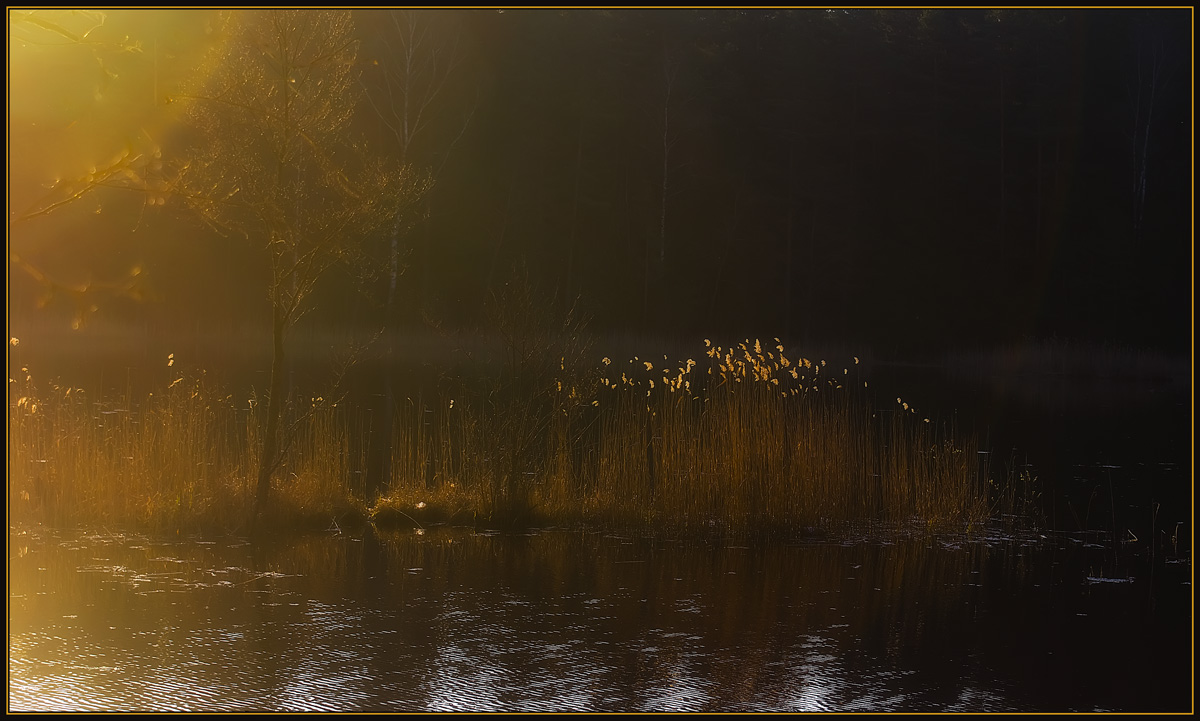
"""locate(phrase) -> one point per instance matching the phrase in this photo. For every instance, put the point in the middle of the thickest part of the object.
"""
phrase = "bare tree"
(421, 58)
(421, 55)
(275, 162)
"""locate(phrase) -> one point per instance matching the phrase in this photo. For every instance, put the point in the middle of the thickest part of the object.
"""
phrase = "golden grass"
(745, 440)
(179, 459)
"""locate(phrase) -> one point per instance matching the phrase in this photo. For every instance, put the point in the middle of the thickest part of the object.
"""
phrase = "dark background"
(904, 180)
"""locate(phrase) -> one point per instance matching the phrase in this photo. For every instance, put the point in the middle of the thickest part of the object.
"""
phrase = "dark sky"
(901, 179)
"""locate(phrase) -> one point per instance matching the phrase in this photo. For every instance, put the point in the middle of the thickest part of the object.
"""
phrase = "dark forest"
(908, 181)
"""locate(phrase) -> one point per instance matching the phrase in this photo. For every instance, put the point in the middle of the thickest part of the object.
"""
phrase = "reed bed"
(747, 439)
(179, 459)
(176, 459)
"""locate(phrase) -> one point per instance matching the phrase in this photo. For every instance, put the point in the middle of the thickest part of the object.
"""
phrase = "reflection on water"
(456, 621)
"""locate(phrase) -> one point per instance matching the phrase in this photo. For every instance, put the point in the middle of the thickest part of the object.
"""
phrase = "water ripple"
(546, 623)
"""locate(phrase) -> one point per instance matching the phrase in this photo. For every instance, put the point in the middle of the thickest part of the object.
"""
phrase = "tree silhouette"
(274, 161)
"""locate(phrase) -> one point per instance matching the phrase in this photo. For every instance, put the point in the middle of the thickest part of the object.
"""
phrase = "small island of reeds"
(742, 439)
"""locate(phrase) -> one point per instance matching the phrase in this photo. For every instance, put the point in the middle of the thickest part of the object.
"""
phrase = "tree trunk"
(1003, 233)
(379, 469)
(271, 441)
(791, 217)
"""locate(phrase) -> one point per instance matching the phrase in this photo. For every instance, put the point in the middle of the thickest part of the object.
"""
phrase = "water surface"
(451, 619)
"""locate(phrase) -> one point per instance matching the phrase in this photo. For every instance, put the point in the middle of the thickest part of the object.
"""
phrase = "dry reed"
(747, 440)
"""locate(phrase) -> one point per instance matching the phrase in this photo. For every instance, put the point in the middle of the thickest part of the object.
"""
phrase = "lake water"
(1091, 611)
(452, 619)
